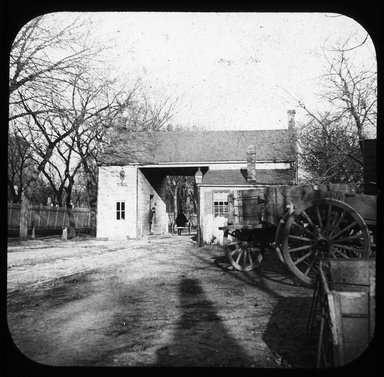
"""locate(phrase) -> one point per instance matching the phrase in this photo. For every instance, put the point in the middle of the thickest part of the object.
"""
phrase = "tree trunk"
(92, 200)
(93, 206)
(23, 223)
(71, 217)
(175, 194)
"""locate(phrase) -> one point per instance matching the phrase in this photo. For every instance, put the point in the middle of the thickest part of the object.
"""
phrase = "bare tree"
(329, 141)
(88, 141)
(20, 163)
(92, 105)
(44, 57)
(44, 53)
(61, 104)
(328, 153)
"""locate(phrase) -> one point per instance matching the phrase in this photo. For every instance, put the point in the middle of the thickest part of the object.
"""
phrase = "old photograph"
(192, 189)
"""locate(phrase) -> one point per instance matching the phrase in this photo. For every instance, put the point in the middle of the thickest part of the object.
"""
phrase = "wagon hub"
(323, 244)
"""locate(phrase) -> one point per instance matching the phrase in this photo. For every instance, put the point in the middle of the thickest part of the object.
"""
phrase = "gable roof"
(237, 177)
(205, 146)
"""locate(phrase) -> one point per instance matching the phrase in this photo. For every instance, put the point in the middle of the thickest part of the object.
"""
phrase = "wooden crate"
(348, 290)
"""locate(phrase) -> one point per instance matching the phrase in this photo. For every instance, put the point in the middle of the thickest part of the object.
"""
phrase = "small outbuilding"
(131, 188)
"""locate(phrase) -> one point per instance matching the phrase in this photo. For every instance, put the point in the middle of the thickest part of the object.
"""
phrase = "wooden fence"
(48, 217)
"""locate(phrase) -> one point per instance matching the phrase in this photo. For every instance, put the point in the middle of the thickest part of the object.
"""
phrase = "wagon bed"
(302, 224)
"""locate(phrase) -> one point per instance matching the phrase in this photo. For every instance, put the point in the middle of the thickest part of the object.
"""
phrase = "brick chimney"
(251, 164)
(291, 119)
(293, 141)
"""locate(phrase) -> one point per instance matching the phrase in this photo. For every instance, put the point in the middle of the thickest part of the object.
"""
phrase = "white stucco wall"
(209, 224)
(113, 189)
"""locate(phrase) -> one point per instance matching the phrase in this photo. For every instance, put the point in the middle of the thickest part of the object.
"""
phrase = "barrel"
(252, 206)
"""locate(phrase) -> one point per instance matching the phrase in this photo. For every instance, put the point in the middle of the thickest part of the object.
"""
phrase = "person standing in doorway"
(181, 220)
(151, 215)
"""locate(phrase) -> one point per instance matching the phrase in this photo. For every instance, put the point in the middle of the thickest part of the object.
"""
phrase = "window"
(220, 204)
(120, 210)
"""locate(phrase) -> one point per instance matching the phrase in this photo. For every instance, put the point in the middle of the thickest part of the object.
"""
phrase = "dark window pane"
(118, 215)
(122, 206)
(118, 206)
(123, 215)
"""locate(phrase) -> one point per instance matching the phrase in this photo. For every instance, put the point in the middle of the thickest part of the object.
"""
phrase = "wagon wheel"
(278, 234)
(326, 228)
(242, 253)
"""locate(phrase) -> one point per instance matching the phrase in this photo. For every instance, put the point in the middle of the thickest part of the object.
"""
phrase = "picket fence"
(48, 217)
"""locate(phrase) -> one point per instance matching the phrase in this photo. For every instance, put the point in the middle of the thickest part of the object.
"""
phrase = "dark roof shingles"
(239, 177)
(211, 146)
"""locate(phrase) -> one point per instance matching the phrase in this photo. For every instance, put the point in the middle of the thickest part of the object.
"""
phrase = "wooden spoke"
(335, 219)
(299, 238)
(344, 230)
(319, 217)
(234, 247)
(329, 213)
(302, 228)
(309, 219)
(332, 253)
(339, 252)
(297, 261)
(310, 267)
(239, 256)
(235, 251)
(305, 247)
(245, 257)
(355, 251)
(350, 238)
(335, 226)
(250, 258)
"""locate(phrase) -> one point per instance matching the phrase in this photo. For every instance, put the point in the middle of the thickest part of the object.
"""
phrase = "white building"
(131, 185)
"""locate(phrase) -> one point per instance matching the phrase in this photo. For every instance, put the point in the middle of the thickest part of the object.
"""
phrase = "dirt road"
(160, 301)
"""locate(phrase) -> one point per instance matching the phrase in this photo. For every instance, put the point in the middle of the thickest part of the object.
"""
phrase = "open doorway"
(162, 193)
(181, 202)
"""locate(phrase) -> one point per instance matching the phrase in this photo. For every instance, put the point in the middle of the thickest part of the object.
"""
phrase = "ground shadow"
(270, 268)
(285, 333)
(200, 338)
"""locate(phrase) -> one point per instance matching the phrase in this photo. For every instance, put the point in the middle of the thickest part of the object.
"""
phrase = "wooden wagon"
(303, 224)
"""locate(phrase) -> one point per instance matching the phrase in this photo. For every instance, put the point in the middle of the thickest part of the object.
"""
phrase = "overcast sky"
(228, 70)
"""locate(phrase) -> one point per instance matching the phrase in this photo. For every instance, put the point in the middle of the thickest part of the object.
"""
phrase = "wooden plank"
(355, 330)
(372, 305)
(338, 325)
(57, 212)
(39, 216)
(354, 303)
(49, 212)
(353, 271)
(353, 350)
